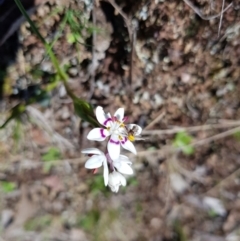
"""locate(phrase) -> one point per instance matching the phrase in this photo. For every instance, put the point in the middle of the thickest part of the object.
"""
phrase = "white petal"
(94, 162)
(105, 172)
(125, 159)
(123, 167)
(115, 189)
(98, 134)
(102, 117)
(113, 147)
(119, 114)
(129, 146)
(122, 180)
(92, 151)
(113, 181)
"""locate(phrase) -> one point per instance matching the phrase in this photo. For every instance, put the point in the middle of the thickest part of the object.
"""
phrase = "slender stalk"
(82, 107)
(52, 56)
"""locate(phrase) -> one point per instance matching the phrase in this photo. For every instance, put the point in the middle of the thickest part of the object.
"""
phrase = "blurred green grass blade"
(16, 112)
(49, 157)
(52, 154)
(82, 108)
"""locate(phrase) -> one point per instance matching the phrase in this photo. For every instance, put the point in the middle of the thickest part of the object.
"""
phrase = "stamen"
(131, 137)
(122, 125)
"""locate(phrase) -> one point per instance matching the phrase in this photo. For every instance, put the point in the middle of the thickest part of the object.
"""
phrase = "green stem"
(52, 56)
(82, 108)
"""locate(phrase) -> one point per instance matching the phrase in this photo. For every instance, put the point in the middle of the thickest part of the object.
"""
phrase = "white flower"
(115, 180)
(115, 128)
(98, 158)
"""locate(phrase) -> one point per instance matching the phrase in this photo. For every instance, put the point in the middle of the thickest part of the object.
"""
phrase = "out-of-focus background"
(170, 64)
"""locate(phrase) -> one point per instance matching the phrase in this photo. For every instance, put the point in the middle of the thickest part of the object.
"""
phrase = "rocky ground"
(170, 64)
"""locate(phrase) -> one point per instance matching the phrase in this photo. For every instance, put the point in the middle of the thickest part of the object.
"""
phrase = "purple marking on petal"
(114, 142)
(106, 121)
(125, 118)
(102, 134)
(124, 141)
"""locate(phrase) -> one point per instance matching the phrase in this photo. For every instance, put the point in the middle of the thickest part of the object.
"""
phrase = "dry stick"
(132, 38)
(191, 129)
(224, 121)
(198, 12)
(157, 119)
(92, 71)
(220, 22)
(33, 164)
(215, 137)
(133, 42)
(169, 149)
(119, 10)
(223, 182)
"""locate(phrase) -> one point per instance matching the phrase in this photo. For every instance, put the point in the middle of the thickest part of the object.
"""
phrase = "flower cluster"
(118, 134)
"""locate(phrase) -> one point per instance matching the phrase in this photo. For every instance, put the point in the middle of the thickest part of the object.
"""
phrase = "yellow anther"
(120, 138)
(108, 128)
(131, 137)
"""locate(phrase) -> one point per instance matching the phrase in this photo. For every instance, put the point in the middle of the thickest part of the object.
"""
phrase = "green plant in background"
(52, 154)
(17, 133)
(90, 221)
(132, 181)
(183, 140)
(16, 113)
(236, 135)
(100, 221)
(7, 186)
(78, 26)
(212, 213)
(179, 231)
(49, 157)
(38, 223)
(97, 186)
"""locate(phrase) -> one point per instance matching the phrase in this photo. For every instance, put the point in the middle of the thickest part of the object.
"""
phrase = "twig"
(170, 149)
(132, 38)
(192, 129)
(133, 42)
(223, 182)
(33, 164)
(157, 119)
(220, 22)
(41, 121)
(190, 175)
(198, 12)
(119, 10)
(93, 68)
(215, 137)
(168, 192)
